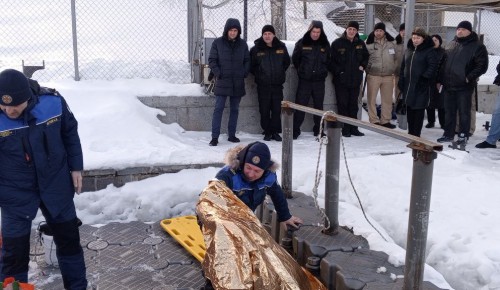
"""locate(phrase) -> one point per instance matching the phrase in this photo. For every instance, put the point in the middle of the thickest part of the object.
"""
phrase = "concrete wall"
(486, 95)
(94, 180)
(195, 113)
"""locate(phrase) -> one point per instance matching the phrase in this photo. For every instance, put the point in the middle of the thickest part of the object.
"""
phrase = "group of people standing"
(435, 78)
(423, 74)
(268, 61)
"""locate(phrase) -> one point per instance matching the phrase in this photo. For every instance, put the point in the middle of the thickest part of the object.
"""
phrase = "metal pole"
(283, 28)
(420, 200)
(190, 4)
(245, 19)
(479, 14)
(369, 18)
(193, 25)
(410, 19)
(287, 151)
(402, 17)
(428, 16)
(332, 164)
(305, 9)
(75, 42)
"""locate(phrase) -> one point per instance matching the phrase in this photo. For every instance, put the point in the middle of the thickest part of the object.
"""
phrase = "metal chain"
(322, 140)
(356, 192)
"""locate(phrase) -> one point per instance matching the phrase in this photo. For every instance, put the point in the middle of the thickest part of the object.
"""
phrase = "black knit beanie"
(465, 25)
(379, 25)
(354, 24)
(268, 28)
(14, 88)
(257, 154)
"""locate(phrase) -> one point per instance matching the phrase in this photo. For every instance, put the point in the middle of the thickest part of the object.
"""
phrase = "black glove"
(497, 80)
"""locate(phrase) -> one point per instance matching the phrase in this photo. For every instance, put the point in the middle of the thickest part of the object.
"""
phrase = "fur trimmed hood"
(231, 158)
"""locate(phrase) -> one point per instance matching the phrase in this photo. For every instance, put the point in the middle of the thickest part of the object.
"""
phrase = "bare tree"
(278, 17)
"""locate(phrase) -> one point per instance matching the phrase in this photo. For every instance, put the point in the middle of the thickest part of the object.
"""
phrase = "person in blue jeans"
(494, 133)
(229, 61)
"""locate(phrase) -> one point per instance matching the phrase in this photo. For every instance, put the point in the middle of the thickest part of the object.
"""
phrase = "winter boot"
(355, 132)
(214, 142)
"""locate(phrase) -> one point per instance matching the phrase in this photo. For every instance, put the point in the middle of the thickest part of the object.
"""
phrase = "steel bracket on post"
(422, 152)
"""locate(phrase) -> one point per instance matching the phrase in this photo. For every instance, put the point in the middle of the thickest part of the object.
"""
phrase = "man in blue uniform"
(40, 167)
(250, 174)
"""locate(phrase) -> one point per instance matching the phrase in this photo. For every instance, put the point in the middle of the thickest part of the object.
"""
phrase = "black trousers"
(457, 101)
(347, 103)
(305, 91)
(415, 120)
(431, 116)
(270, 98)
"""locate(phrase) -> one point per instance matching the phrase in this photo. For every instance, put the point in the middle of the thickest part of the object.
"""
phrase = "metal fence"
(298, 15)
(443, 20)
(114, 38)
(111, 39)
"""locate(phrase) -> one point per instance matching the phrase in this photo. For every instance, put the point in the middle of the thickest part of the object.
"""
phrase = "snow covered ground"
(117, 131)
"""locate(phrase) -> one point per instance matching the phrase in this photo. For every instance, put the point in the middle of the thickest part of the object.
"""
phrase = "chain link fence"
(298, 15)
(34, 32)
(443, 20)
(115, 38)
(149, 38)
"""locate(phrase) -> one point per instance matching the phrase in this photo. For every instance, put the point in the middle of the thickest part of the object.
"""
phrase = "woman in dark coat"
(437, 99)
(418, 69)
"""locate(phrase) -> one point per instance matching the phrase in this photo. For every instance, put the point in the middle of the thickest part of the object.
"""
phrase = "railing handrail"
(423, 154)
(413, 141)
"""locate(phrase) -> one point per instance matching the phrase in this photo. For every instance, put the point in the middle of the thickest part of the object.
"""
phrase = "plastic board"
(186, 231)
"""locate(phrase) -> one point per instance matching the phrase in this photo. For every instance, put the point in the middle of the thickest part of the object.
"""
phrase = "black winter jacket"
(437, 98)
(229, 60)
(466, 61)
(497, 78)
(418, 70)
(269, 64)
(311, 58)
(346, 57)
(441, 58)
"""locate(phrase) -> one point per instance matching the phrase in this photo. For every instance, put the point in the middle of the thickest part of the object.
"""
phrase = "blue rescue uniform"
(38, 151)
(254, 193)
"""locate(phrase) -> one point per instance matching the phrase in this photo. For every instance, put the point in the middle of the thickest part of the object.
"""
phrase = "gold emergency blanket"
(240, 253)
